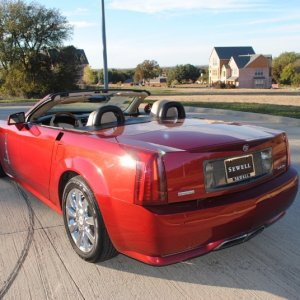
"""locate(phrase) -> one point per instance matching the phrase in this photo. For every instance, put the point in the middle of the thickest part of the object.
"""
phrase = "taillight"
(150, 182)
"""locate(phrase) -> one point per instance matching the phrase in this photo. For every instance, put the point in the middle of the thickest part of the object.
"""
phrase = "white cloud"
(159, 6)
(83, 24)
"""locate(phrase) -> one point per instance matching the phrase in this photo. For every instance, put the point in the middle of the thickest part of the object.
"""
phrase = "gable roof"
(253, 58)
(267, 58)
(243, 61)
(80, 54)
(228, 52)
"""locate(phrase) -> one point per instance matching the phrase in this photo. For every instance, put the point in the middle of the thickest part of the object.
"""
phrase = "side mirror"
(16, 119)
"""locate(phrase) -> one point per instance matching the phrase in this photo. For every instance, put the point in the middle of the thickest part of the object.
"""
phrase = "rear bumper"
(165, 235)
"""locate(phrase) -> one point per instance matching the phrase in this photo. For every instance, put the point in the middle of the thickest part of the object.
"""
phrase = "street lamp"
(105, 71)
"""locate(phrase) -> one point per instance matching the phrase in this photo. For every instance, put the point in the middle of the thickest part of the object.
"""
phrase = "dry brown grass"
(280, 96)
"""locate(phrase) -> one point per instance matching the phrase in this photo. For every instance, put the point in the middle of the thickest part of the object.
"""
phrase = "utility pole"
(105, 70)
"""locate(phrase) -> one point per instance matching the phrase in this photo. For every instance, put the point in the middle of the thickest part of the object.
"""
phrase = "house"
(77, 56)
(158, 80)
(240, 67)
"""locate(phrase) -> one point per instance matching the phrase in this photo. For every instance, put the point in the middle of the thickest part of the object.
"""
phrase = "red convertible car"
(152, 184)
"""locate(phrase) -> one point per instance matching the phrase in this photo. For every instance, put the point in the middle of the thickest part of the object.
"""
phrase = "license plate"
(239, 168)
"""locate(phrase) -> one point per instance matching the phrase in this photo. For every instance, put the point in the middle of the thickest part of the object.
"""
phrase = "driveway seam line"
(14, 273)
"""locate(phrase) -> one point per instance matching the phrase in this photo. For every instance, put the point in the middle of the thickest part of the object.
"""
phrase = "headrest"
(105, 115)
(165, 109)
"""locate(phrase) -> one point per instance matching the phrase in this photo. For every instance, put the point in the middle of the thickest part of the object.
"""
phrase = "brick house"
(241, 67)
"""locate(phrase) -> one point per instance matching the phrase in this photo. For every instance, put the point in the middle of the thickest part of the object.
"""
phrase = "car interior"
(105, 111)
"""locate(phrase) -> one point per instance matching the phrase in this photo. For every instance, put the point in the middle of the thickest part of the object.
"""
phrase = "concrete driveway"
(37, 261)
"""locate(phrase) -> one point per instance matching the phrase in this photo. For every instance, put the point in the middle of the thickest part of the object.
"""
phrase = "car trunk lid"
(191, 135)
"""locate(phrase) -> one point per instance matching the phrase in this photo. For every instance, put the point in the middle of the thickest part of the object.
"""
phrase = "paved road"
(7, 110)
(37, 262)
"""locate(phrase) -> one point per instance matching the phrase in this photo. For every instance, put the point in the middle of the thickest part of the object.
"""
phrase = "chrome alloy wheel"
(81, 223)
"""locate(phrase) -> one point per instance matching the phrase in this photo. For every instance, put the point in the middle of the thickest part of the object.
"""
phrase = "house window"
(214, 72)
(224, 73)
(259, 83)
(215, 61)
(235, 72)
(259, 72)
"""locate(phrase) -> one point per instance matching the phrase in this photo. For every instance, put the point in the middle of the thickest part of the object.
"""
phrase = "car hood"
(192, 135)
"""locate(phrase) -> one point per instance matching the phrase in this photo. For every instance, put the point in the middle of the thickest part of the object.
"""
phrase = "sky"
(179, 31)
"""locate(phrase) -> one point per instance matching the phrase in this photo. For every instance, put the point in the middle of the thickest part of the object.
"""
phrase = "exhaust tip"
(239, 239)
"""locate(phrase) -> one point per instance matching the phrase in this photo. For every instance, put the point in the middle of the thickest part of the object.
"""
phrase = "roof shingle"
(228, 52)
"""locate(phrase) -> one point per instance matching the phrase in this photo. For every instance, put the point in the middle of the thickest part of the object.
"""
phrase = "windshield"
(87, 102)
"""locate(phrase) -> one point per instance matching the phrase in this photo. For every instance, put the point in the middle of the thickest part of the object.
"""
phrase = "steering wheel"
(147, 108)
(65, 120)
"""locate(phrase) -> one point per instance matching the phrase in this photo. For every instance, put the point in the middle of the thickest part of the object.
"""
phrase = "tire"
(2, 174)
(84, 223)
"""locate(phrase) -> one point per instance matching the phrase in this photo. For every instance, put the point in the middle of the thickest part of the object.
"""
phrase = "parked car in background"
(155, 185)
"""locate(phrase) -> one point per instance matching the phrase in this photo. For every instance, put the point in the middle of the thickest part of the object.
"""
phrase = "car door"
(29, 150)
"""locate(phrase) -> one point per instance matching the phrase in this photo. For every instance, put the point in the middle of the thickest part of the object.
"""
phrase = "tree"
(146, 70)
(26, 29)
(296, 80)
(296, 65)
(89, 76)
(287, 74)
(64, 65)
(57, 70)
(26, 32)
(183, 73)
(192, 73)
(280, 62)
(115, 76)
